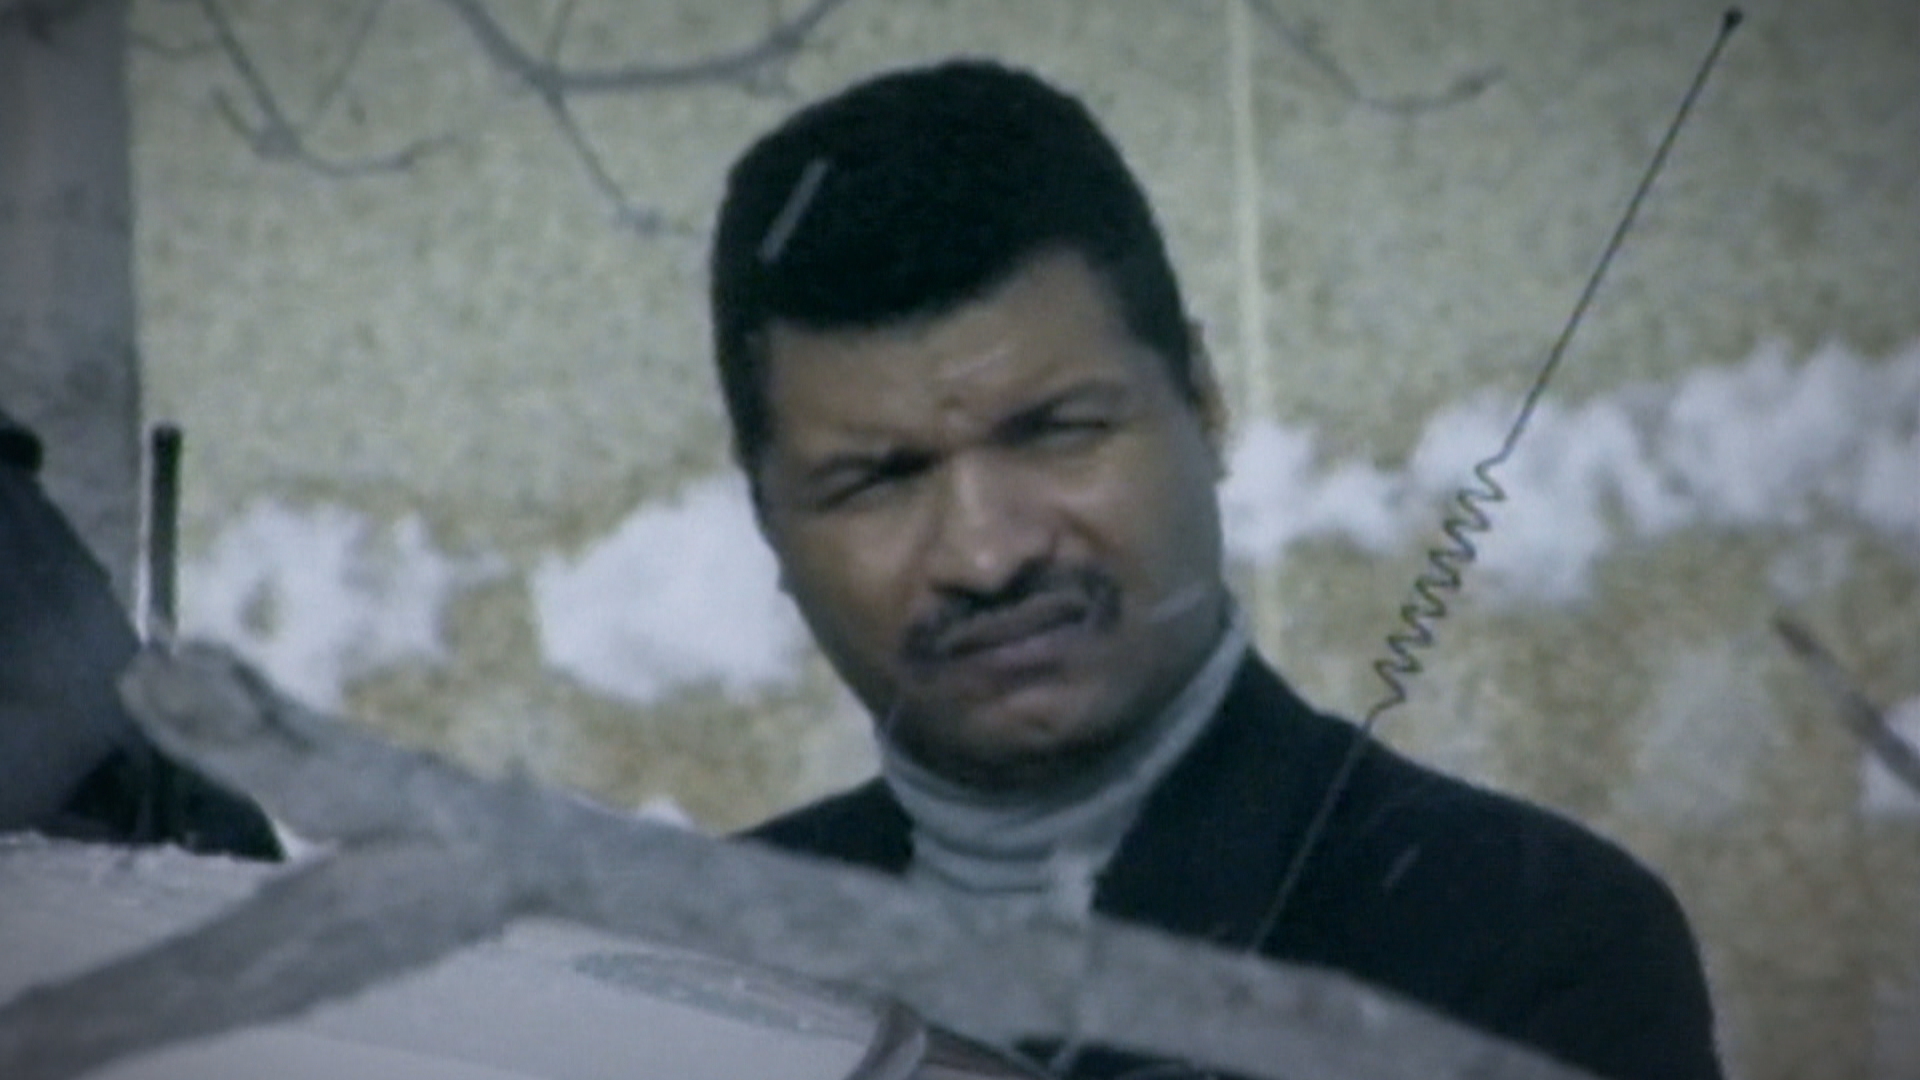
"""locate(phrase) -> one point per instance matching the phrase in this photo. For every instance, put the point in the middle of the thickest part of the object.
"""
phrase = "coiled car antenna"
(1468, 516)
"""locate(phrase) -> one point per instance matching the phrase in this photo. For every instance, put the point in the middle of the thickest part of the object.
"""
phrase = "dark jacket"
(63, 642)
(1505, 916)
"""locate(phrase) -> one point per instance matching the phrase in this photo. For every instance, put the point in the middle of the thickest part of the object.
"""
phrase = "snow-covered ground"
(545, 1000)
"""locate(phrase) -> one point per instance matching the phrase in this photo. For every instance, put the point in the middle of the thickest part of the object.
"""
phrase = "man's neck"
(1008, 842)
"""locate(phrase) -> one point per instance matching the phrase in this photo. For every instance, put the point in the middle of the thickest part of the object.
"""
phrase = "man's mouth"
(1039, 624)
(1011, 634)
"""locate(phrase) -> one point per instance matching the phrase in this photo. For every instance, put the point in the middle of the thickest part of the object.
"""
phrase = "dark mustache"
(929, 639)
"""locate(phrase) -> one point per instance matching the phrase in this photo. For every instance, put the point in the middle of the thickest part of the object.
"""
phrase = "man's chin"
(1009, 750)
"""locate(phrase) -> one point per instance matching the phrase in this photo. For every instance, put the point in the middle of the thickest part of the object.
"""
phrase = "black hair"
(912, 193)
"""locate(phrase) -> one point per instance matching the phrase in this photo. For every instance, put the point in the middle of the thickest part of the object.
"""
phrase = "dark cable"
(1447, 563)
(163, 531)
(161, 810)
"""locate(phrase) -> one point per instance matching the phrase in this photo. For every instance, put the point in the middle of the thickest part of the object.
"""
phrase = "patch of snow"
(1810, 569)
(664, 810)
(1274, 497)
(1760, 444)
(317, 597)
(1766, 443)
(681, 593)
(1707, 727)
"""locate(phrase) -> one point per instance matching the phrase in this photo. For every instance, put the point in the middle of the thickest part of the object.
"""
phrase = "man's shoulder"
(1499, 910)
(1517, 918)
(1392, 812)
(1405, 811)
(863, 825)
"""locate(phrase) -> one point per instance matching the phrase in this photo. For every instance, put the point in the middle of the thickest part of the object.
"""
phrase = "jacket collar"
(1213, 842)
(1209, 851)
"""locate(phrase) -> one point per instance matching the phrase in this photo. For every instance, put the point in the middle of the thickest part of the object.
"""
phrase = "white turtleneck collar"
(1054, 840)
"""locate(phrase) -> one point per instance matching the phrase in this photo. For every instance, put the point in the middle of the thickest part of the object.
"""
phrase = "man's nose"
(986, 531)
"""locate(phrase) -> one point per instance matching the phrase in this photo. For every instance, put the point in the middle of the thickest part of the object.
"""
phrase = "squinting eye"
(866, 485)
(871, 485)
(1064, 432)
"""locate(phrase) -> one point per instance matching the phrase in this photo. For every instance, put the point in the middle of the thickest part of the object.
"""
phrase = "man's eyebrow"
(1098, 393)
(846, 462)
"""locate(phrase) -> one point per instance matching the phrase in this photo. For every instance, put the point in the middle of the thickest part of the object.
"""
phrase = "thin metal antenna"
(1447, 564)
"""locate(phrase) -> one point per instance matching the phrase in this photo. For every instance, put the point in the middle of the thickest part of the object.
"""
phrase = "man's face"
(1000, 523)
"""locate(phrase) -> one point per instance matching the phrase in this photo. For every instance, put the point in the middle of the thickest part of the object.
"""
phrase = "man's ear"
(1203, 384)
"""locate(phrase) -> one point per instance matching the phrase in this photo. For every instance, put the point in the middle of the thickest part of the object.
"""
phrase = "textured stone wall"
(455, 461)
(67, 364)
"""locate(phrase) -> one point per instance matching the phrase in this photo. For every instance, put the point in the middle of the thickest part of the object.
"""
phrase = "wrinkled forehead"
(1051, 327)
